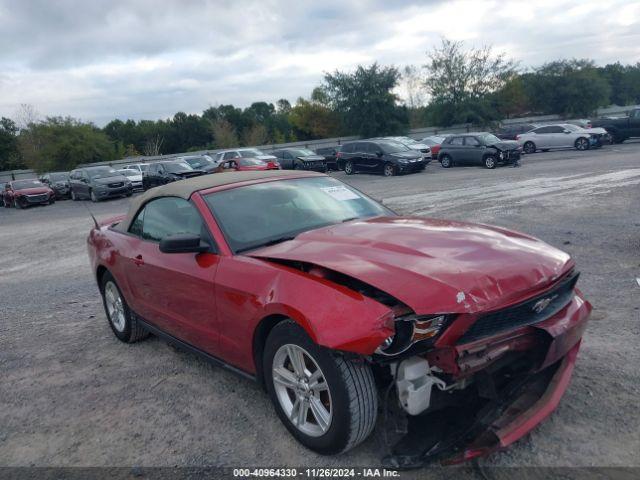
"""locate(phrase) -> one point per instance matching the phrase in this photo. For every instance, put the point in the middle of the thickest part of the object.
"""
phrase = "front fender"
(249, 290)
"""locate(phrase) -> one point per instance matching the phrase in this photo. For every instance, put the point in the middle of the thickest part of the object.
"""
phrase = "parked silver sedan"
(561, 135)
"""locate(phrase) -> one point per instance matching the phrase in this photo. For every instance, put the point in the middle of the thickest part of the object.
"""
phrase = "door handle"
(138, 260)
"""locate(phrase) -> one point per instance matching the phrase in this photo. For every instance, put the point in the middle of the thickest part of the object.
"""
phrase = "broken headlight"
(409, 330)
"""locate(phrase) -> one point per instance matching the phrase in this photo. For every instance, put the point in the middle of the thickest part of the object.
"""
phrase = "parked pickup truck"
(621, 128)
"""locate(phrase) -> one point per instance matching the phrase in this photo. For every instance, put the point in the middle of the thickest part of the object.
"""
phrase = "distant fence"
(416, 133)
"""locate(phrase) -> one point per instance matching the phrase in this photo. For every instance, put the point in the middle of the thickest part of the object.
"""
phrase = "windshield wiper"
(274, 241)
(349, 219)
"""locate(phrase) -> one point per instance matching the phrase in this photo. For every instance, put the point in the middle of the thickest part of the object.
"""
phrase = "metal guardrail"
(416, 133)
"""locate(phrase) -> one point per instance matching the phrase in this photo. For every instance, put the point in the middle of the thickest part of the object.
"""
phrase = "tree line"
(456, 85)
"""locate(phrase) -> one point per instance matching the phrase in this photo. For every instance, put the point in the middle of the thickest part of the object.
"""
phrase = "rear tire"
(122, 321)
(74, 197)
(348, 400)
(446, 161)
(93, 197)
(529, 147)
(16, 204)
(348, 167)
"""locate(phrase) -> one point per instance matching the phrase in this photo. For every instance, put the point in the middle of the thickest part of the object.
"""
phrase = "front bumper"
(413, 166)
(113, 192)
(34, 199)
(315, 166)
(516, 408)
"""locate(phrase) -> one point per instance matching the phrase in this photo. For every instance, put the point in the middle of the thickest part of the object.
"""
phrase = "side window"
(169, 216)
(557, 129)
(230, 155)
(372, 148)
(471, 141)
(543, 130)
(347, 148)
(287, 155)
(136, 226)
(457, 141)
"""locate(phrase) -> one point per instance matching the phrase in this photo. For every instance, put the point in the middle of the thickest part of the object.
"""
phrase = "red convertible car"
(329, 299)
(22, 193)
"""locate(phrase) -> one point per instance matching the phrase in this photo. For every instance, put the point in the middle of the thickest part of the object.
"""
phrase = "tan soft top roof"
(186, 188)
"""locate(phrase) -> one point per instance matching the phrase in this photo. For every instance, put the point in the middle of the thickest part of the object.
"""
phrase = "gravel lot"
(72, 395)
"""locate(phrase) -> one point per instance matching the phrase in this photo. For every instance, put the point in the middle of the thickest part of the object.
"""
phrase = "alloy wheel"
(348, 168)
(529, 147)
(302, 390)
(388, 170)
(582, 144)
(115, 306)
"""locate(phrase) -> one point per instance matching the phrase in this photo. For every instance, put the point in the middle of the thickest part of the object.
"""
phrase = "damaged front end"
(465, 385)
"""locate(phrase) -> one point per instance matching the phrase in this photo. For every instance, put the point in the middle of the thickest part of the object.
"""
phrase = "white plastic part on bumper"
(414, 382)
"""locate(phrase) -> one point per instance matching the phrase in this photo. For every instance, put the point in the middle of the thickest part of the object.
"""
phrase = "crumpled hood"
(108, 180)
(506, 145)
(433, 266)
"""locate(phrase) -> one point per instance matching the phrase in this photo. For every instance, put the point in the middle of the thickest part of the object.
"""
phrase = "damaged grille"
(530, 312)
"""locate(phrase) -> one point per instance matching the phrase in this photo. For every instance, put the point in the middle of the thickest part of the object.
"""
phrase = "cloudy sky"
(98, 60)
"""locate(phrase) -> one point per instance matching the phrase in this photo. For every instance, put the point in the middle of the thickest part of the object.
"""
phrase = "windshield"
(99, 172)
(252, 152)
(197, 162)
(489, 139)
(572, 128)
(59, 177)
(249, 162)
(265, 213)
(20, 184)
(177, 167)
(393, 147)
(129, 173)
(302, 152)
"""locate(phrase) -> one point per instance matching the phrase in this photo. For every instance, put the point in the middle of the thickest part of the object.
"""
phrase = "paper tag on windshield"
(340, 193)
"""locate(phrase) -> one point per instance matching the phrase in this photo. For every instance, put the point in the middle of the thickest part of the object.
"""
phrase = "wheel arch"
(260, 335)
(100, 272)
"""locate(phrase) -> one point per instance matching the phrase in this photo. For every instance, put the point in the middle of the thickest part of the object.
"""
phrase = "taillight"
(338, 154)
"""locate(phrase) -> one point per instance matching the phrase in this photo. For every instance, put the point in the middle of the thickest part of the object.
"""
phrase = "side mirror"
(183, 243)
(379, 153)
(567, 131)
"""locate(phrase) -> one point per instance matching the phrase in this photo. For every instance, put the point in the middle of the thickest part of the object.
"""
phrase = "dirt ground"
(71, 394)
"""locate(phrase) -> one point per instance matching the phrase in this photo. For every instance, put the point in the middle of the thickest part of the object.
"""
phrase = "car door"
(84, 185)
(546, 137)
(455, 148)
(287, 160)
(371, 159)
(173, 291)
(473, 150)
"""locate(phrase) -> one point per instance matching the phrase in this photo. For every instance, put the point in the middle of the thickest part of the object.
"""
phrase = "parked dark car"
(329, 154)
(620, 128)
(200, 162)
(162, 173)
(58, 182)
(23, 193)
(479, 148)
(379, 156)
(510, 132)
(413, 144)
(300, 159)
(98, 183)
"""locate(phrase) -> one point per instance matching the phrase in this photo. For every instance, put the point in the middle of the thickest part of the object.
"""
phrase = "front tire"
(582, 144)
(328, 403)
(348, 167)
(16, 204)
(122, 322)
(93, 197)
(74, 197)
(490, 162)
(389, 170)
